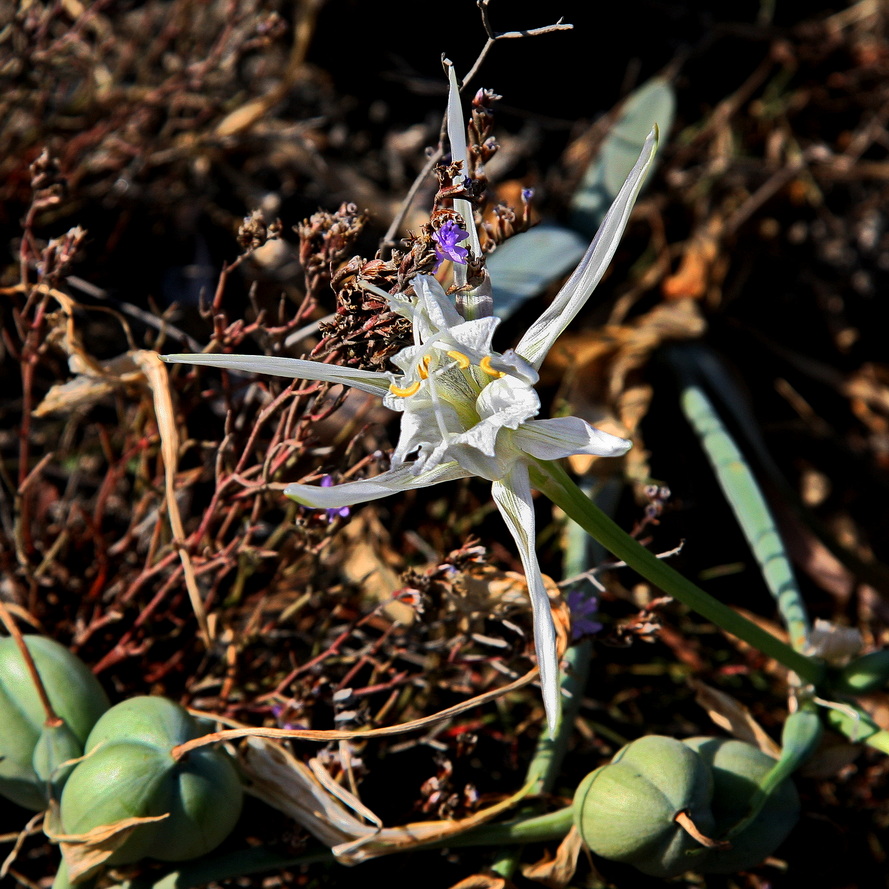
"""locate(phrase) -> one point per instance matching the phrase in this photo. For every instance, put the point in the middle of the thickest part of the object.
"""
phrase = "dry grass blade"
(156, 374)
(343, 735)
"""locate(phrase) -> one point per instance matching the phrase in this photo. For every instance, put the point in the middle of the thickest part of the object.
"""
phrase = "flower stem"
(555, 483)
(552, 826)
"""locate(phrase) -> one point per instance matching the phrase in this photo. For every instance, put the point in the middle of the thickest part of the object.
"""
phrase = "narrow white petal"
(405, 478)
(541, 335)
(513, 498)
(435, 305)
(564, 436)
(293, 368)
(459, 152)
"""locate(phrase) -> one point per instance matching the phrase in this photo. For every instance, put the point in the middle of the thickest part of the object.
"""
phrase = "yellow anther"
(485, 365)
(423, 368)
(460, 358)
(404, 393)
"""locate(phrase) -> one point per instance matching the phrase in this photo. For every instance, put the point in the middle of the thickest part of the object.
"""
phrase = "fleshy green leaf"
(653, 103)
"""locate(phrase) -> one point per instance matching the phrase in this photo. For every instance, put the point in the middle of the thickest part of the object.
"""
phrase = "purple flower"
(281, 714)
(447, 238)
(335, 512)
(583, 608)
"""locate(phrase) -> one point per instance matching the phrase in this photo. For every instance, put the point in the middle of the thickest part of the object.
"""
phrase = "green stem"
(858, 727)
(543, 828)
(552, 480)
(547, 762)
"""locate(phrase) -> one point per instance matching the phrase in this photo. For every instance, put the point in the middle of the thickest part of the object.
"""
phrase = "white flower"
(469, 411)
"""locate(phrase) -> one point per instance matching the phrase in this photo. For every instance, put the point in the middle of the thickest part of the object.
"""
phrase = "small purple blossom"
(281, 714)
(583, 608)
(335, 512)
(447, 238)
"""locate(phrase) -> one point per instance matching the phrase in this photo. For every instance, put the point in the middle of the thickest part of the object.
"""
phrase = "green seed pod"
(56, 745)
(737, 770)
(129, 772)
(76, 698)
(867, 673)
(626, 810)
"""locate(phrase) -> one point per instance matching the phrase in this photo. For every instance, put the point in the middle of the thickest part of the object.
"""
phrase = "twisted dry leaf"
(282, 781)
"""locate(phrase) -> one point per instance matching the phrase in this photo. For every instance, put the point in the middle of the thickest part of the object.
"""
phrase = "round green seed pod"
(867, 673)
(76, 698)
(129, 772)
(737, 769)
(626, 810)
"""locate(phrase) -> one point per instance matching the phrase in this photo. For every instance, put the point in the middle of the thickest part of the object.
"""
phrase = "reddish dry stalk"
(367, 656)
(33, 331)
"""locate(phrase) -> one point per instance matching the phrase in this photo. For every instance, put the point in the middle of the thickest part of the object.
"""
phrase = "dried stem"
(13, 630)
(436, 156)
(181, 750)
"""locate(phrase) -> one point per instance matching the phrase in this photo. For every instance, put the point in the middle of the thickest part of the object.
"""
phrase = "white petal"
(577, 290)
(512, 363)
(293, 368)
(507, 401)
(564, 436)
(424, 425)
(472, 337)
(513, 499)
(405, 478)
(484, 466)
(434, 308)
(486, 448)
(459, 152)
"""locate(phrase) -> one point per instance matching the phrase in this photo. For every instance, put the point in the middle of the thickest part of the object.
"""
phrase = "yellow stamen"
(423, 368)
(460, 358)
(485, 365)
(404, 393)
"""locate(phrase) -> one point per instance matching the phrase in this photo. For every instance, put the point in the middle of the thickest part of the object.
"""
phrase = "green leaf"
(743, 494)
(524, 266)
(653, 103)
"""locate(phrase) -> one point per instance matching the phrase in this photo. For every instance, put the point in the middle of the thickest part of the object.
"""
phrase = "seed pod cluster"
(33, 750)
(627, 809)
(130, 771)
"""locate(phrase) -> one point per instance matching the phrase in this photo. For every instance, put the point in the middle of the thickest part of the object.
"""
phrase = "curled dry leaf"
(732, 716)
(156, 375)
(603, 384)
(93, 379)
(705, 262)
(90, 384)
(282, 781)
(556, 873)
(86, 853)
